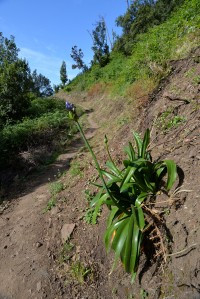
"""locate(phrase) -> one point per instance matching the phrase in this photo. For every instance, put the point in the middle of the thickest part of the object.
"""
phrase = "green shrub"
(41, 106)
(32, 132)
(151, 52)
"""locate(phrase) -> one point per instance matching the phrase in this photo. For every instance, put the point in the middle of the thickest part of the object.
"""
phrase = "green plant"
(55, 188)
(175, 121)
(167, 120)
(51, 203)
(91, 215)
(143, 294)
(76, 169)
(79, 272)
(65, 255)
(196, 80)
(128, 191)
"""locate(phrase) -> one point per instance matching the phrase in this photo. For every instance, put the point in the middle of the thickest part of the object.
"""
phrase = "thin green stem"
(98, 167)
(111, 159)
(93, 156)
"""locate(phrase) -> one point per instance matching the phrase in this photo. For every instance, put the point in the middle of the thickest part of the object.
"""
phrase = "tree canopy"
(63, 73)
(17, 83)
(77, 56)
(41, 86)
(100, 46)
(139, 17)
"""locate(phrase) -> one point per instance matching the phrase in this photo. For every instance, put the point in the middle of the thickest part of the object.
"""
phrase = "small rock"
(50, 223)
(39, 244)
(78, 249)
(39, 286)
(66, 231)
(54, 211)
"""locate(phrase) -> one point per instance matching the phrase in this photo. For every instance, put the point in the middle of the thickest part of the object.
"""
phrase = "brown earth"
(35, 263)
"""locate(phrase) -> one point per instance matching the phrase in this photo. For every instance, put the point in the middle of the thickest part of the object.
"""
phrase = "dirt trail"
(25, 259)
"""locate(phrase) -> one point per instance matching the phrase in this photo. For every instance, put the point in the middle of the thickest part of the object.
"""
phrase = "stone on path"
(66, 231)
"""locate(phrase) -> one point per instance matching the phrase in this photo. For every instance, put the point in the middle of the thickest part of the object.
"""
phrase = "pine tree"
(77, 56)
(63, 73)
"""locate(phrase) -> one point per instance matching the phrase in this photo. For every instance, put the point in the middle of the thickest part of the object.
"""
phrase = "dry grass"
(140, 90)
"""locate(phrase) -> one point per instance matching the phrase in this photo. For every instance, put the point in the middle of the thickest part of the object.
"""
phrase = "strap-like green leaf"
(128, 245)
(141, 198)
(130, 151)
(136, 261)
(101, 201)
(113, 168)
(110, 175)
(141, 220)
(172, 173)
(96, 198)
(127, 176)
(120, 236)
(138, 142)
(145, 143)
(138, 202)
(150, 185)
(135, 249)
(109, 231)
(125, 187)
(119, 240)
(112, 215)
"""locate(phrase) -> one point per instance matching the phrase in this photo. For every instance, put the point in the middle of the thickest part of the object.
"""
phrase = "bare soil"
(35, 263)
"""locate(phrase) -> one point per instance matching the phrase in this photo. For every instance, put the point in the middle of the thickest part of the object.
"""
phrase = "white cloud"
(47, 65)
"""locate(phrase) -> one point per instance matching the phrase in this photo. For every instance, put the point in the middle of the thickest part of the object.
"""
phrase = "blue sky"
(46, 30)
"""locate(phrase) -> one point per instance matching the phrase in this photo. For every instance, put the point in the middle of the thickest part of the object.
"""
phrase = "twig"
(183, 250)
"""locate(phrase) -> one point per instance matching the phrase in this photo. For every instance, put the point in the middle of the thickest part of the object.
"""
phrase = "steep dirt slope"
(35, 263)
(172, 114)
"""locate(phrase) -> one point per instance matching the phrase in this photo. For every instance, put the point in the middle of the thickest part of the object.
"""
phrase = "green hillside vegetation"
(140, 94)
(153, 33)
(29, 117)
(150, 55)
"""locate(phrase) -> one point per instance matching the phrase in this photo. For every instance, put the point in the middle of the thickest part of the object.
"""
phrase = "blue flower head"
(71, 111)
(69, 106)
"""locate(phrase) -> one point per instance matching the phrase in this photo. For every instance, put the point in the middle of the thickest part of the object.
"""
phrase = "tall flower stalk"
(73, 115)
(128, 192)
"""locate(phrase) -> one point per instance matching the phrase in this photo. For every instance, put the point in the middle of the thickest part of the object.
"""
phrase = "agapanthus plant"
(126, 190)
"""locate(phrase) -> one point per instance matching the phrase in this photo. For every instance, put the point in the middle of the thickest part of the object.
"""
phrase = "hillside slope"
(35, 263)
(172, 113)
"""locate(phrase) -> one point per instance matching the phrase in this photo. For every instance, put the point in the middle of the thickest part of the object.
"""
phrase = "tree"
(15, 85)
(15, 82)
(63, 73)
(41, 86)
(8, 50)
(139, 17)
(100, 46)
(77, 56)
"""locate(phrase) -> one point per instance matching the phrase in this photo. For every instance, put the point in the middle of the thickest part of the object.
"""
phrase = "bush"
(41, 106)
(31, 133)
